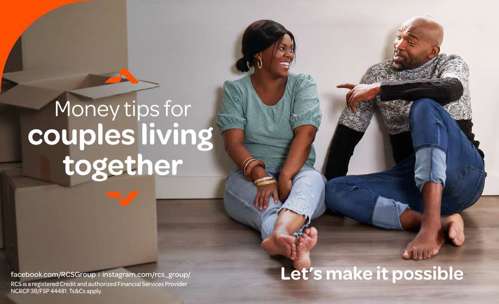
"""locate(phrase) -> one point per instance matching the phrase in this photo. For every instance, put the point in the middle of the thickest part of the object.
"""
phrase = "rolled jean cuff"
(430, 166)
(386, 213)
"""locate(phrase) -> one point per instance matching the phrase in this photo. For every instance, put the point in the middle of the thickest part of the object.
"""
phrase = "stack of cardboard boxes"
(10, 148)
(54, 222)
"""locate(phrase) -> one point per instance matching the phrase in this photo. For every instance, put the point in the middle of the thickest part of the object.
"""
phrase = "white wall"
(89, 36)
(190, 48)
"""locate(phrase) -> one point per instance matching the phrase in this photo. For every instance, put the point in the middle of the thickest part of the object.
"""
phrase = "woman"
(269, 120)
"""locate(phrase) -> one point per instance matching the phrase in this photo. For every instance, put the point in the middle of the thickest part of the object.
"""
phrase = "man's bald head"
(418, 41)
(426, 28)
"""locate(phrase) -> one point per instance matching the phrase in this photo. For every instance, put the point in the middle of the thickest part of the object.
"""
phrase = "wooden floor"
(228, 266)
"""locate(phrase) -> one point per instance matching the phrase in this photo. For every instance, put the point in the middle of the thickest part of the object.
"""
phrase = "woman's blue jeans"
(306, 198)
(443, 154)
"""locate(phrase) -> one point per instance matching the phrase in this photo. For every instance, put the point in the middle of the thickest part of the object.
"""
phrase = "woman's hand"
(263, 194)
(285, 185)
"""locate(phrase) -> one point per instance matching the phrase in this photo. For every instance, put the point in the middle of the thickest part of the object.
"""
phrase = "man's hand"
(285, 185)
(359, 93)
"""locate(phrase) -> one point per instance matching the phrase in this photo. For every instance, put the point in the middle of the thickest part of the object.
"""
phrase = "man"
(424, 99)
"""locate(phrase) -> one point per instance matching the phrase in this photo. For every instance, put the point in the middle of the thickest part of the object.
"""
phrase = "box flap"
(107, 90)
(27, 76)
(30, 97)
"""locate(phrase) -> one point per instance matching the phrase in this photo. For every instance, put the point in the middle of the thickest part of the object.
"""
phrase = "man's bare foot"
(425, 245)
(305, 244)
(280, 244)
(454, 225)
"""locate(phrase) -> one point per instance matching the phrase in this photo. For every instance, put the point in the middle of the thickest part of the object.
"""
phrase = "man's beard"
(405, 64)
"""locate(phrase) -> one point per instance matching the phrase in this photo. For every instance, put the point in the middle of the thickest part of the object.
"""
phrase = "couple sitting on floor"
(269, 119)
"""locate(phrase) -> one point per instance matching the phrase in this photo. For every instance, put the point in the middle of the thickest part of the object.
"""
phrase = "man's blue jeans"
(443, 154)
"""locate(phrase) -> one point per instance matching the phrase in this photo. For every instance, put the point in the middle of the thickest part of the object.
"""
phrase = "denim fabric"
(431, 127)
(306, 198)
(387, 213)
(431, 164)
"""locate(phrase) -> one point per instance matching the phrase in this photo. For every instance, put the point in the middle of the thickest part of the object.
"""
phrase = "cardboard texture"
(5, 167)
(36, 92)
(49, 228)
(122, 295)
(10, 135)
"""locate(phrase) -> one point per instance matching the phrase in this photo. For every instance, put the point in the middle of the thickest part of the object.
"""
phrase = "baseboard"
(189, 187)
(491, 185)
(207, 187)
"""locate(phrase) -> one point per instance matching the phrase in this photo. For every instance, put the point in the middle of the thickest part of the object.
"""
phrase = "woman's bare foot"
(426, 244)
(305, 244)
(454, 225)
(280, 244)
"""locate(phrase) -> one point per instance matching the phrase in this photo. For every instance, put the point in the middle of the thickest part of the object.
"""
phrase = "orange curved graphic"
(123, 73)
(16, 16)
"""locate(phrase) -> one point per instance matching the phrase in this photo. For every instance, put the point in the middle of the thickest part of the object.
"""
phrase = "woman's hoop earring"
(259, 63)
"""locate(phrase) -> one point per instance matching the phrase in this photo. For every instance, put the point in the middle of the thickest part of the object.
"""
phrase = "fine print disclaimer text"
(435, 273)
(92, 283)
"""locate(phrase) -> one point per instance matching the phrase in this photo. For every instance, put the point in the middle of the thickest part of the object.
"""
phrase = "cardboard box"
(10, 135)
(5, 167)
(49, 228)
(36, 92)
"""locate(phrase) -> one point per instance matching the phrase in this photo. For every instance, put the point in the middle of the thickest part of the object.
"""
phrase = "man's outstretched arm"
(442, 90)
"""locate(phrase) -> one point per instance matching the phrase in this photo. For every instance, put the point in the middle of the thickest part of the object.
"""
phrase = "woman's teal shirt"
(268, 130)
